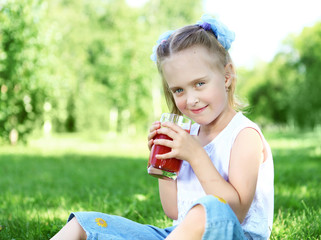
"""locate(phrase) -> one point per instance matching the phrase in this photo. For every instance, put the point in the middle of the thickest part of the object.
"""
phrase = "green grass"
(42, 183)
(297, 161)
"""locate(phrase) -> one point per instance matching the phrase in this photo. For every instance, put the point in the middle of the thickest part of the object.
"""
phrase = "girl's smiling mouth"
(199, 110)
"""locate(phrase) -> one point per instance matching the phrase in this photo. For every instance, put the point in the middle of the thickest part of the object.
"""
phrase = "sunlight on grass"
(140, 197)
(297, 160)
(294, 143)
(102, 144)
(316, 152)
(48, 214)
(43, 182)
(303, 224)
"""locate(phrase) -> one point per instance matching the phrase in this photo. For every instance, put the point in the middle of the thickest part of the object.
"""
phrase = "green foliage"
(84, 65)
(286, 90)
(87, 61)
(308, 104)
(270, 97)
(115, 45)
(23, 90)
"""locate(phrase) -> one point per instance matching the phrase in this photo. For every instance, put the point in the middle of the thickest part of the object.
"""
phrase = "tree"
(307, 104)
(86, 61)
(270, 99)
(23, 89)
(287, 89)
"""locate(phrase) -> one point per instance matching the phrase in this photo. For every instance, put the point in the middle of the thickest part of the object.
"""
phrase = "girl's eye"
(199, 84)
(179, 90)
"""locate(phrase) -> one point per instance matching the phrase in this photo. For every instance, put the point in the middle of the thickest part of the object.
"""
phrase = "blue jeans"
(221, 223)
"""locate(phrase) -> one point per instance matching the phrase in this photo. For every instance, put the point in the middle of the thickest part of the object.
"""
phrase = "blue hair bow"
(161, 38)
(221, 32)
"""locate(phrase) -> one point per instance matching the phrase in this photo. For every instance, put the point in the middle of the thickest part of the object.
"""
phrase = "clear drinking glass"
(167, 168)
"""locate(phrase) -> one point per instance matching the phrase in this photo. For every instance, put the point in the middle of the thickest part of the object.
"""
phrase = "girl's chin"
(201, 121)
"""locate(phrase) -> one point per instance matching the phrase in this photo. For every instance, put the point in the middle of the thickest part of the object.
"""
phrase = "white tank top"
(259, 219)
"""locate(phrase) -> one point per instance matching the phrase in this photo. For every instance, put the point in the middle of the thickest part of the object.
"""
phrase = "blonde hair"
(189, 36)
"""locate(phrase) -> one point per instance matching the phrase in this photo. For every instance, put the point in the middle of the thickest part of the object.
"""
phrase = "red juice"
(169, 165)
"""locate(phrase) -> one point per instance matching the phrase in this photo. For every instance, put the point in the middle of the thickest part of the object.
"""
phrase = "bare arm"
(168, 196)
(167, 189)
(246, 156)
(245, 159)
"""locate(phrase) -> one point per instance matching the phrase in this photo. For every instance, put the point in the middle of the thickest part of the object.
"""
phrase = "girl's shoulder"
(241, 122)
(238, 123)
(249, 133)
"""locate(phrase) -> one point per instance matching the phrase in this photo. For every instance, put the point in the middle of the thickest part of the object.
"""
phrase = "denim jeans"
(221, 223)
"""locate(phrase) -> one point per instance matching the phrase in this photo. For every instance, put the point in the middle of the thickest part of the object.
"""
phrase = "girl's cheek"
(180, 104)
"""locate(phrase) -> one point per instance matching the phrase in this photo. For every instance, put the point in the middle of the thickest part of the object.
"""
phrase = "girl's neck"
(207, 133)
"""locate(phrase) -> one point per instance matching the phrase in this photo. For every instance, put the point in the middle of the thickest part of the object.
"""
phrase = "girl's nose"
(192, 100)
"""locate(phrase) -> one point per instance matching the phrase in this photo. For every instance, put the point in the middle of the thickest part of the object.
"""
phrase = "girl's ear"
(229, 74)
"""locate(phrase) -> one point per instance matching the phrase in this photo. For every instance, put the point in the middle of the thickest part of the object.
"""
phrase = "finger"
(163, 142)
(150, 144)
(152, 135)
(169, 155)
(165, 156)
(171, 130)
(167, 131)
(155, 126)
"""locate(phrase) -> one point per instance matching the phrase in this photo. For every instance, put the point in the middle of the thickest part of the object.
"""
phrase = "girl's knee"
(216, 207)
(196, 217)
(72, 230)
(78, 228)
(193, 225)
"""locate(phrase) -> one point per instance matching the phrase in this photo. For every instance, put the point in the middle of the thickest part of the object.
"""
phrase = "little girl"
(225, 186)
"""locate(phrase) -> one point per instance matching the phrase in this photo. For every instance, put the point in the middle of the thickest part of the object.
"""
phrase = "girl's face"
(198, 87)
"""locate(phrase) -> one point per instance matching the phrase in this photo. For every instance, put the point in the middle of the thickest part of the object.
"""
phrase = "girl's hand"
(184, 146)
(152, 134)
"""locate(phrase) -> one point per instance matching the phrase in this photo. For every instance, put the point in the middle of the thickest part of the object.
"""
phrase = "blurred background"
(71, 66)
(78, 93)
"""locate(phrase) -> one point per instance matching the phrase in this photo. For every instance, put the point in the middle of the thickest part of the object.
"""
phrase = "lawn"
(43, 182)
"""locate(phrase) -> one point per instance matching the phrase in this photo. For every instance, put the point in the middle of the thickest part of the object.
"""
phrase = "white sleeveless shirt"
(259, 219)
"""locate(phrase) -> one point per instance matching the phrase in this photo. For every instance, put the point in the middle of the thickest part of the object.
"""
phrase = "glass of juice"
(167, 168)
